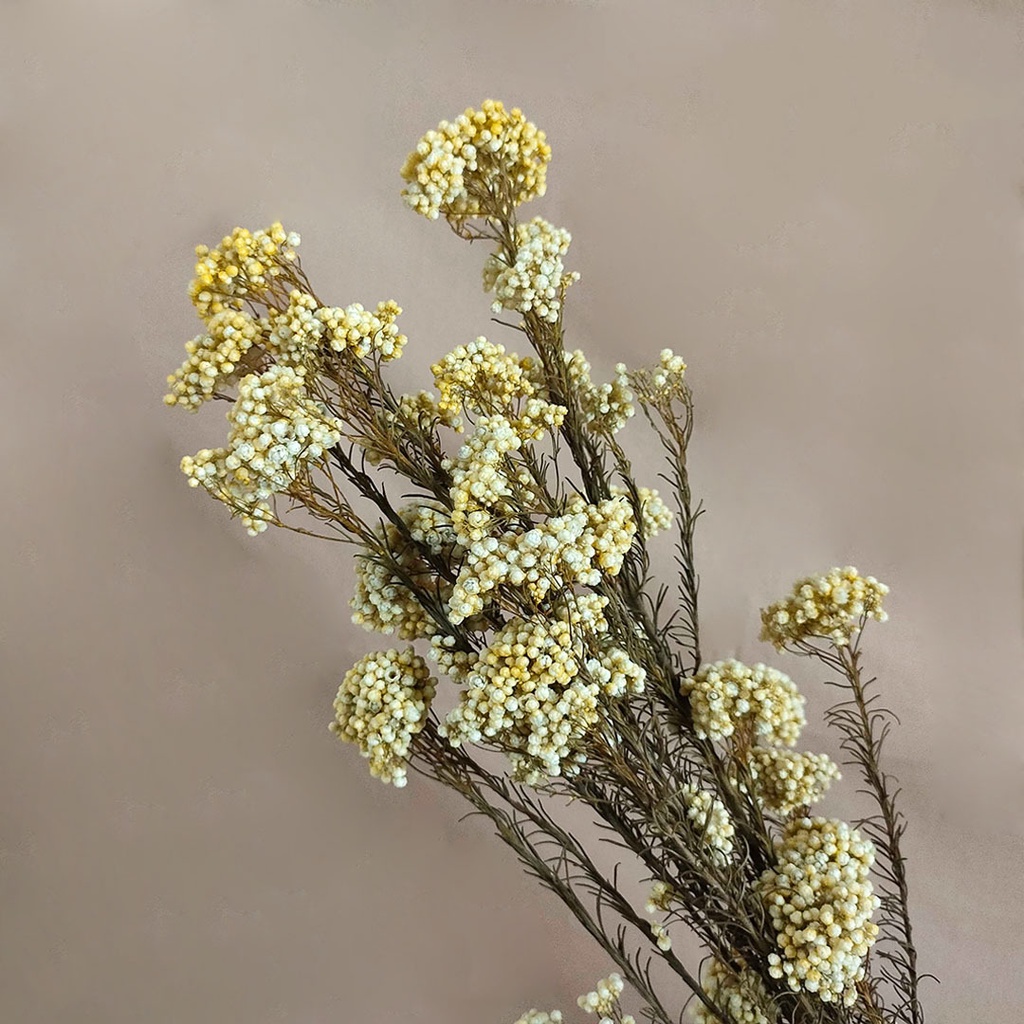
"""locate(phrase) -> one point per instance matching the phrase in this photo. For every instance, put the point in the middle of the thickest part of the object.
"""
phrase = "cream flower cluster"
(481, 377)
(382, 600)
(531, 691)
(463, 168)
(298, 332)
(820, 900)
(663, 383)
(534, 281)
(655, 515)
(382, 703)
(605, 997)
(786, 779)
(246, 265)
(741, 995)
(276, 431)
(710, 820)
(725, 695)
(540, 1017)
(660, 897)
(578, 547)
(831, 606)
(605, 407)
(660, 935)
(212, 358)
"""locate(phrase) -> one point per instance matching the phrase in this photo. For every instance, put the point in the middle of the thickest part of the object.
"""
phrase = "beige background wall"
(818, 204)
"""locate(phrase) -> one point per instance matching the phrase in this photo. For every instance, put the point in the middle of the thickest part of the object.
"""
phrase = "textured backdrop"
(817, 203)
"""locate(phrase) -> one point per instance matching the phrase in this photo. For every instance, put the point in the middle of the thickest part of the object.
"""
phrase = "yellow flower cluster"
(213, 357)
(578, 547)
(381, 704)
(481, 377)
(727, 695)
(535, 280)
(604, 998)
(709, 820)
(831, 606)
(471, 166)
(245, 266)
(299, 331)
(786, 780)
(276, 431)
(820, 901)
(605, 407)
(530, 690)
(741, 995)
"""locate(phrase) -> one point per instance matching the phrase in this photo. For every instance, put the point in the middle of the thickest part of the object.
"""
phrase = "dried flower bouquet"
(519, 562)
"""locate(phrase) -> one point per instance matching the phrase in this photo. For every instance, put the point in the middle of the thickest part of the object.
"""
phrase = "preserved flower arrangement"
(515, 576)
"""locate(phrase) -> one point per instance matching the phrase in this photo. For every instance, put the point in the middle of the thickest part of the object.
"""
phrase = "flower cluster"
(535, 279)
(381, 704)
(604, 998)
(820, 901)
(832, 606)
(662, 384)
(383, 601)
(741, 994)
(298, 332)
(660, 897)
(605, 407)
(786, 780)
(726, 696)
(213, 358)
(540, 1017)
(655, 515)
(710, 820)
(578, 547)
(246, 265)
(470, 166)
(276, 431)
(660, 935)
(536, 690)
(481, 377)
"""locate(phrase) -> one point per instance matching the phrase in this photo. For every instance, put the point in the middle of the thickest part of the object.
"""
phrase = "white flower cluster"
(660, 897)
(299, 331)
(710, 820)
(786, 779)
(276, 430)
(605, 407)
(382, 601)
(604, 998)
(540, 1017)
(535, 280)
(481, 377)
(662, 384)
(741, 995)
(725, 695)
(831, 606)
(655, 515)
(242, 268)
(537, 688)
(381, 704)
(820, 900)
(462, 168)
(212, 358)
